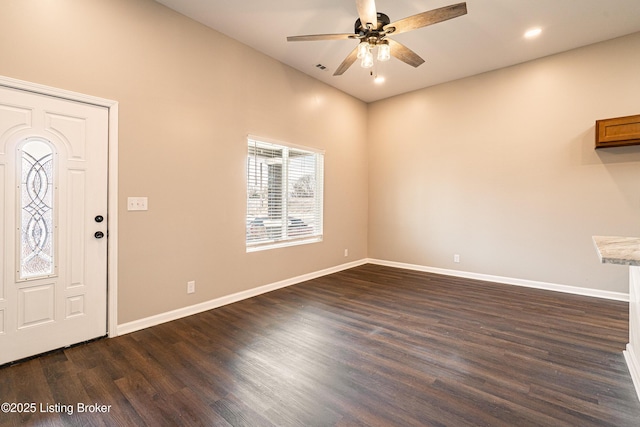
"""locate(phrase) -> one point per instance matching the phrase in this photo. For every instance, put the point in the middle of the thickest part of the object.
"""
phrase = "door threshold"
(47, 353)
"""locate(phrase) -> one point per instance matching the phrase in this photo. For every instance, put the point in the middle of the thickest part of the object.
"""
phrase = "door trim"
(112, 190)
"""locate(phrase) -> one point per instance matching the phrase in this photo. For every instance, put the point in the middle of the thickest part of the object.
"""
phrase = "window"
(36, 210)
(284, 195)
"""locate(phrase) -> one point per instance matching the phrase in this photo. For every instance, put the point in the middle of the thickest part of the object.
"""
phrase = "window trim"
(318, 237)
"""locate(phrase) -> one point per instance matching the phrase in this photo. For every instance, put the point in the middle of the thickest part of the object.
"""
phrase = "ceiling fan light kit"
(365, 52)
(374, 34)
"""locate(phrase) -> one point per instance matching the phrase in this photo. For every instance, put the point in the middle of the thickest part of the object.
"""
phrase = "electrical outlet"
(346, 252)
(456, 258)
(137, 203)
(191, 287)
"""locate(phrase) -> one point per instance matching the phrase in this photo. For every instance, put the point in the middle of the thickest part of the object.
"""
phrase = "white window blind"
(284, 195)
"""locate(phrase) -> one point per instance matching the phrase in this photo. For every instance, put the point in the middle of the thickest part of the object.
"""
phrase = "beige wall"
(188, 96)
(500, 168)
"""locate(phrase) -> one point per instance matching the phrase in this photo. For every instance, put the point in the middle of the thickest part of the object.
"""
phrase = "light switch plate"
(137, 204)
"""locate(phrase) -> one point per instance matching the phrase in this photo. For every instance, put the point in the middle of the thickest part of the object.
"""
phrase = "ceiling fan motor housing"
(361, 31)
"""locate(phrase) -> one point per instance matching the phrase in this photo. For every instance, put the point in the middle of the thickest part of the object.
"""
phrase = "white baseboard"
(617, 296)
(147, 322)
(633, 363)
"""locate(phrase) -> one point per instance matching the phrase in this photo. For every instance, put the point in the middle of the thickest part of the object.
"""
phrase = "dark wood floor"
(370, 346)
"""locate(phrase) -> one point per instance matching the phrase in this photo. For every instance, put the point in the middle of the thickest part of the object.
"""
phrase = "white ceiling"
(489, 37)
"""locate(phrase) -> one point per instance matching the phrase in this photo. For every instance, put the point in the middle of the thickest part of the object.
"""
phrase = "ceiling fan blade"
(404, 54)
(427, 18)
(367, 12)
(348, 62)
(316, 37)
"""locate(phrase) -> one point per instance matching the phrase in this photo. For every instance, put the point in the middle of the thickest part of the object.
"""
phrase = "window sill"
(285, 244)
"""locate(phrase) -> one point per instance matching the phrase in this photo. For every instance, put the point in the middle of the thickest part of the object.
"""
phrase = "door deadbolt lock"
(98, 235)
(99, 218)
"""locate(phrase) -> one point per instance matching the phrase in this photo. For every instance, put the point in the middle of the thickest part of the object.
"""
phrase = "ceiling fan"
(373, 28)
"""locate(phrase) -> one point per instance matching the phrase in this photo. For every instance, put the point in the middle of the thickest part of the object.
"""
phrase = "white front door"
(53, 223)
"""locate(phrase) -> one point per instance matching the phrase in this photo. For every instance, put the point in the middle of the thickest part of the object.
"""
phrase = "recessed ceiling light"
(378, 79)
(533, 33)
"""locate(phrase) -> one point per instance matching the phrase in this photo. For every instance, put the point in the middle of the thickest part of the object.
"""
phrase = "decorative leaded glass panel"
(36, 210)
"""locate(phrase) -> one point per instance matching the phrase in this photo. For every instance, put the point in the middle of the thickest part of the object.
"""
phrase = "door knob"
(98, 235)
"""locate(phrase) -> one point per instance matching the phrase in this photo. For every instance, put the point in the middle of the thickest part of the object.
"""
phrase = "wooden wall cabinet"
(618, 132)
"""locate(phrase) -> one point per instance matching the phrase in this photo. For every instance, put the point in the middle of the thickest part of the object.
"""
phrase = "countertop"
(618, 250)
